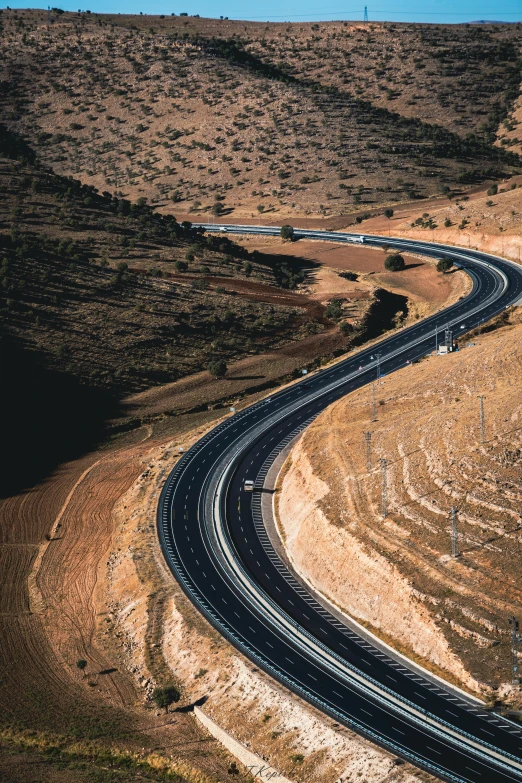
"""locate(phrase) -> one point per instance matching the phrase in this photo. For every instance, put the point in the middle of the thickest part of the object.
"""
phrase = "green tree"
(181, 266)
(394, 263)
(287, 233)
(388, 213)
(218, 368)
(217, 208)
(493, 190)
(334, 309)
(82, 665)
(444, 265)
(166, 696)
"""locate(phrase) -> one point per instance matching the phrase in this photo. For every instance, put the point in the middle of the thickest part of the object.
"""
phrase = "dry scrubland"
(95, 587)
(156, 117)
(397, 575)
(486, 219)
(323, 118)
(126, 298)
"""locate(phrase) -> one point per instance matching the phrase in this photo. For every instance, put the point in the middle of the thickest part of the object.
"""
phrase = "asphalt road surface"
(215, 543)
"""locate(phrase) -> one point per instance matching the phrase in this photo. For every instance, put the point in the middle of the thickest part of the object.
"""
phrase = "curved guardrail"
(212, 510)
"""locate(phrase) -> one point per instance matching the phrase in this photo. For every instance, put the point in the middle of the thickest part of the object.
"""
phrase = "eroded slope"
(397, 574)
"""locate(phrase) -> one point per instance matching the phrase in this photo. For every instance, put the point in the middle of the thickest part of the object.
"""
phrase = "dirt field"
(398, 575)
(426, 289)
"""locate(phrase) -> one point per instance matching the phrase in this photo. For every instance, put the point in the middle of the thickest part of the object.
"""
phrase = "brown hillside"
(398, 575)
(297, 118)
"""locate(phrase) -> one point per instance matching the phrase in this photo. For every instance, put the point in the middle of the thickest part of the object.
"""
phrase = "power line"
(384, 498)
(374, 401)
(368, 439)
(387, 11)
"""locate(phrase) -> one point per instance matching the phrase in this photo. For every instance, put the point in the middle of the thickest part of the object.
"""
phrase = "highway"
(214, 541)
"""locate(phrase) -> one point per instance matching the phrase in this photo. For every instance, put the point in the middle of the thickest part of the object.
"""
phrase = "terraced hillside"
(205, 115)
(397, 574)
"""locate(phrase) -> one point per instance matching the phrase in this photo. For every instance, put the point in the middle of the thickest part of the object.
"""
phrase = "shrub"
(493, 190)
(346, 328)
(334, 309)
(394, 263)
(444, 265)
(218, 368)
(166, 696)
(181, 266)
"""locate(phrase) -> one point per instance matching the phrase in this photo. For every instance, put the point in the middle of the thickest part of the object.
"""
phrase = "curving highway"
(216, 545)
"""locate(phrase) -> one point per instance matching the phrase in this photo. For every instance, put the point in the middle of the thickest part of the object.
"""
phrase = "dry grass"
(428, 431)
(293, 119)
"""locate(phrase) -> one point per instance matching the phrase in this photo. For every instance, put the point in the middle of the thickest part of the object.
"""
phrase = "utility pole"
(515, 641)
(384, 504)
(374, 401)
(378, 357)
(365, 19)
(482, 429)
(454, 533)
(368, 439)
(448, 336)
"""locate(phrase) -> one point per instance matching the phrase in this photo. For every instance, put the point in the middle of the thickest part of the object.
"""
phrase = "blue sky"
(302, 10)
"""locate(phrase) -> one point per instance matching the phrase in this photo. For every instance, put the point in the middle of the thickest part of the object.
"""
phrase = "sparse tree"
(394, 263)
(388, 213)
(218, 368)
(444, 265)
(82, 665)
(181, 266)
(166, 696)
(287, 233)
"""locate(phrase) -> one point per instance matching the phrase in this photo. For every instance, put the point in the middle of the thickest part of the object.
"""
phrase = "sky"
(444, 11)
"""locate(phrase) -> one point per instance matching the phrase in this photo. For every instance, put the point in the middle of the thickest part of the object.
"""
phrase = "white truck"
(248, 486)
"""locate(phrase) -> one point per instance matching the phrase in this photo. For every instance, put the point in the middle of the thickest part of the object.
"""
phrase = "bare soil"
(398, 575)
(307, 119)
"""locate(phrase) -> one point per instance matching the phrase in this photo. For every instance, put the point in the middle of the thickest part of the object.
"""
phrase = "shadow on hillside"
(48, 418)
(289, 270)
(413, 266)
